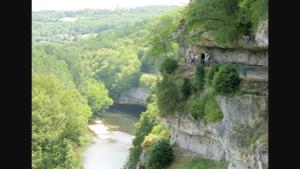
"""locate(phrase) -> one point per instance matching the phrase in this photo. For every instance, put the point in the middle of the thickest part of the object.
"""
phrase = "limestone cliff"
(136, 95)
(240, 138)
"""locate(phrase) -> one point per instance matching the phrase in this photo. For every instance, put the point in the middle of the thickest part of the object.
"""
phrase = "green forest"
(74, 78)
(82, 60)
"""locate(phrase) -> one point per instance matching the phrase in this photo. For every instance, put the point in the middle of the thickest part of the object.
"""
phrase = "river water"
(113, 137)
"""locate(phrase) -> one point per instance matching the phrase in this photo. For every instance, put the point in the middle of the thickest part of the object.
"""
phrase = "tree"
(227, 20)
(167, 96)
(59, 117)
(226, 80)
(160, 38)
(168, 66)
(160, 155)
(97, 95)
(143, 127)
(119, 69)
(199, 77)
(186, 88)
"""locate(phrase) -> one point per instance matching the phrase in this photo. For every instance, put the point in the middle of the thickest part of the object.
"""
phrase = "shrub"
(204, 107)
(160, 155)
(227, 20)
(158, 132)
(226, 80)
(148, 81)
(186, 88)
(212, 112)
(142, 128)
(253, 11)
(168, 66)
(167, 96)
(211, 73)
(195, 106)
(199, 77)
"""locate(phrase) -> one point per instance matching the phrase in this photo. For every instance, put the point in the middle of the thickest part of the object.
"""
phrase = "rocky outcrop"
(261, 34)
(143, 160)
(137, 96)
(242, 56)
(259, 42)
(240, 138)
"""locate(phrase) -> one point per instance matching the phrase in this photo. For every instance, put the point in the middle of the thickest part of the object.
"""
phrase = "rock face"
(234, 139)
(261, 35)
(242, 56)
(136, 96)
(143, 160)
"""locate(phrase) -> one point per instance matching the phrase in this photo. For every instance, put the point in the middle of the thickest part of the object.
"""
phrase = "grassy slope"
(188, 160)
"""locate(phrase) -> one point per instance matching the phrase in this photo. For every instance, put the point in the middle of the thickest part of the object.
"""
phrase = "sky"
(38, 5)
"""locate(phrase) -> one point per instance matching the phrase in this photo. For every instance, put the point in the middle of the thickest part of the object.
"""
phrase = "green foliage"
(148, 81)
(59, 117)
(97, 95)
(168, 66)
(150, 63)
(119, 69)
(49, 25)
(204, 107)
(199, 163)
(211, 73)
(143, 127)
(160, 38)
(186, 88)
(253, 11)
(226, 80)
(160, 155)
(167, 96)
(212, 112)
(248, 135)
(158, 132)
(195, 106)
(48, 63)
(227, 20)
(218, 16)
(199, 78)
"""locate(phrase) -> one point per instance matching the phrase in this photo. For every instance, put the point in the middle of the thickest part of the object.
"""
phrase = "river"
(114, 131)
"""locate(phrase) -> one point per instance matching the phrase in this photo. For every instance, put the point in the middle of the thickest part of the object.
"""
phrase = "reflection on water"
(110, 148)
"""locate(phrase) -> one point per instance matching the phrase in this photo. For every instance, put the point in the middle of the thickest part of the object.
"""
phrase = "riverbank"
(108, 139)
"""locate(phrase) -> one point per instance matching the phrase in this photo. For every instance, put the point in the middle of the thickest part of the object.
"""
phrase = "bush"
(253, 11)
(195, 106)
(160, 155)
(168, 66)
(227, 20)
(226, 80)
(186, 88)
(211, 73)
(142, 128)
(158, 132)
(199, 77)
(148, 81)
(167, 96)
(212, 112)
(204, 107)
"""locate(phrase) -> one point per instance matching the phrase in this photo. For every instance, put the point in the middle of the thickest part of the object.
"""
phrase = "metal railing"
(244, 70)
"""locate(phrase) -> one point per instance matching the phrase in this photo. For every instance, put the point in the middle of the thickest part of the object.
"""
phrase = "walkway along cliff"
(241, 137)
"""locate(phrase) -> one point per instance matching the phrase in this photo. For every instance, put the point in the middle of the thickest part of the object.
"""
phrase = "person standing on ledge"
(206, 57)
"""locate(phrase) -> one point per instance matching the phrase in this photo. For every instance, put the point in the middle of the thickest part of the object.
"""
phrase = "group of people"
(192, 58)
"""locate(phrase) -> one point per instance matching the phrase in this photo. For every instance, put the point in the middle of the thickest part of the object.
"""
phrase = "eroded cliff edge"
(240, 138)
(136, 95)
